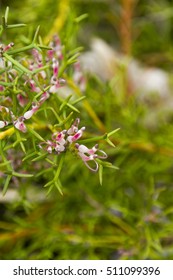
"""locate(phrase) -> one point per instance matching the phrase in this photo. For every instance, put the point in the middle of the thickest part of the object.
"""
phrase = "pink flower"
(6, 111)
(56, 49)
(59, 148)
(58, 143)
(19, 124)
(74, 128)
(1, 88)
(55, 67)
(62, 140)
(56, 46)
(22, 100)
(29, 113)
(9, 46)
(33, 86)
(56, 84)
(87, 154)
(75, 133)
(76, 136)
(59, 136)
(44, 97)
(50, 145)
(3, 124)
(31, 66)
(50, 54)
(37, 56)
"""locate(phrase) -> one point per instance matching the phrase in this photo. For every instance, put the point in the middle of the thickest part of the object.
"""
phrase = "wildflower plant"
(38, 125)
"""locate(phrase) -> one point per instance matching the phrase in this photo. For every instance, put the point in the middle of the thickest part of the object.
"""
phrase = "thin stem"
(36, 34)
(94, 139)
(19, 50)
(6, 15)
(16, 25)
(59, 167)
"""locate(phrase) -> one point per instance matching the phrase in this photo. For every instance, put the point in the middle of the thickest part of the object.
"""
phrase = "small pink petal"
(28, 114)
(75, 137)
(44, 97)
(1, 88)
(3, 124)
(55, 67)
(53, 89)
(49, 149)
(22, 100)
(8, 47)
(20, 126)
(50, 54)
(83, 149)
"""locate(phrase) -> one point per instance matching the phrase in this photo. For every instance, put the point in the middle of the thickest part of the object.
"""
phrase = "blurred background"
(127, 60)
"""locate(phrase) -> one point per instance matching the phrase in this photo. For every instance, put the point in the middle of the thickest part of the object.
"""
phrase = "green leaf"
(7, 181)
(64, 121)
(58, 186)
(64, 103)
(17, 64)
(78, 100)
(106, 164)
(110, 142)
(49, 184)
(36, 34)
(113, 132)
(101, 174)
(80, 18)
(43, 172)
(5, 83)
(33, 132)
(61, 161)
(39, 70)
(69, 105)
(6, 15)
(19, 50)
(41, 156)
(15, 25)
(73, 59)
(1, 29)
(50, 189)
(44, 47)
(5, 163)
(29, 156)
(76, 50)
(20, 175)
(54, 112)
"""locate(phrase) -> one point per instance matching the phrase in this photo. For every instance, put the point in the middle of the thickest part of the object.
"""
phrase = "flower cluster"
(62, 140)
(37, 83)
(31, 101)
(42, 83)
(3, 49)
(53, 58)
(18, 122)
